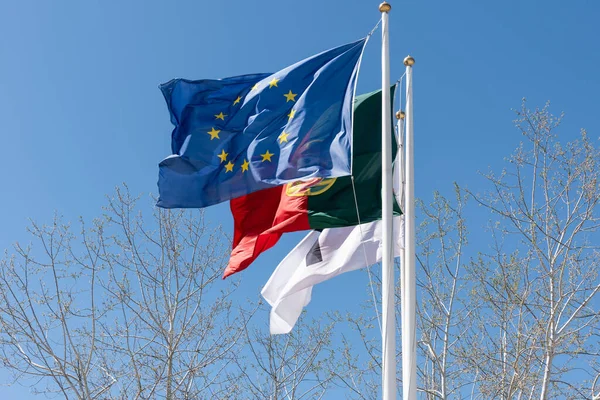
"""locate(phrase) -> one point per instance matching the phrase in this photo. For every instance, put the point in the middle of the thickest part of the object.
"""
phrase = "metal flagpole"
(401, 181)
(409, 299)
(388, 329)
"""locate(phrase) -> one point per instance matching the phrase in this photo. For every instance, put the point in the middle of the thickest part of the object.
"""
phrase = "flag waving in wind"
(242, 134)
(318, 257)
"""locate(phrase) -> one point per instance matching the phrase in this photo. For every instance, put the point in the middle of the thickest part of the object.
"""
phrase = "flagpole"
(409, 299)
(388, 329)
(400, 196)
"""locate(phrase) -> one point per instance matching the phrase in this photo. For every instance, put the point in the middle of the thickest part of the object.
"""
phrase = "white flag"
(318, 257)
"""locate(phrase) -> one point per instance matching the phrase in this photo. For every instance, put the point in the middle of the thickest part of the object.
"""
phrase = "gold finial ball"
(409, 61)
(400, 115)
(385, 7)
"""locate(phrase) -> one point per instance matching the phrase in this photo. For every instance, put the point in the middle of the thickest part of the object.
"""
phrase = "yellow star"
(283, 137)
(273, 82)
(255, 86)
(290, 96)
(237, 100)
(291, 114)
(214, 134)
(245, 165)
(223, 155)
(220, 116)
(229, 166)
(267, 156)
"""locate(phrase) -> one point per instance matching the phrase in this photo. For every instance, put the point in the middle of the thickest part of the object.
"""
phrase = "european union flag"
(241, 134)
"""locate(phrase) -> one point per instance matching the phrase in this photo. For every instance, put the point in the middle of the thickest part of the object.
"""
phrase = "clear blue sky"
(80, 111)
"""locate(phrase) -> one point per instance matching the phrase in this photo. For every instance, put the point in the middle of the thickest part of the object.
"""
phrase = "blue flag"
(237, 135)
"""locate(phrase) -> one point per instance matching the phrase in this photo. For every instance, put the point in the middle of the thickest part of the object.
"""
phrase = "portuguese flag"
(260, 218)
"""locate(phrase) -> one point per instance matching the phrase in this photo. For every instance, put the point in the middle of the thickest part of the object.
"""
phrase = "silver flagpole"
(400, 196)
(388, 329)
(409, 299)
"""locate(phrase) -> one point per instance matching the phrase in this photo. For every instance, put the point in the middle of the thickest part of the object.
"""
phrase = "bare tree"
(356, 363)
(539, 327)
(520, 320)
(444, 312)
(125, 309)
(48, 323)
(293, 366)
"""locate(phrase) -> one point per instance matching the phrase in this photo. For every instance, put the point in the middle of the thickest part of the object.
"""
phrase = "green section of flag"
(336, 206)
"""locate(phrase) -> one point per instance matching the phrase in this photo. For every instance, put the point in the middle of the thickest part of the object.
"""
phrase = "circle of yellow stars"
(266, 157)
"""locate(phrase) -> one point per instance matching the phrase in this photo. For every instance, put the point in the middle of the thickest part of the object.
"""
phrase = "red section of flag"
(260, 219)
